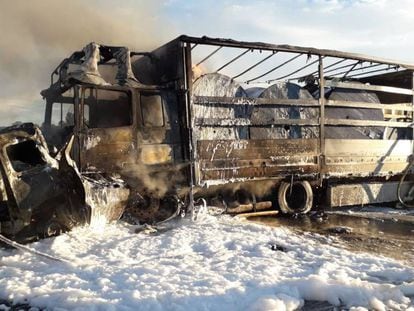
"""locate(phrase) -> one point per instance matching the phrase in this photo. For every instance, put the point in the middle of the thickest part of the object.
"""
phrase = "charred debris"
(148, 134)
(42, 196)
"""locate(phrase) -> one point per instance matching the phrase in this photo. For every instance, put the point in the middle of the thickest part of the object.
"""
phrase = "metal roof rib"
(292, 49)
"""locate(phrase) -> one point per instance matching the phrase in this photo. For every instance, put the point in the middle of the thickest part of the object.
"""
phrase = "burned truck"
(42, 196)
(236, 123)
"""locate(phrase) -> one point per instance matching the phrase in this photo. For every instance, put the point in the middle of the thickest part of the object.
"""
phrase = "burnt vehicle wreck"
(42, 196)
(298, 127)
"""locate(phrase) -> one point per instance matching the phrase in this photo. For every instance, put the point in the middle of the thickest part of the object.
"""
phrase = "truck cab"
(116, 126)
(133, 130)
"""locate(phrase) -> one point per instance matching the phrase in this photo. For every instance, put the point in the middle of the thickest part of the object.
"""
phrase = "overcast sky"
(37, 35)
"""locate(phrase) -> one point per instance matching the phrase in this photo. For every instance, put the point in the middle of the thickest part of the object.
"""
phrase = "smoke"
(36, 36)
(153, 183)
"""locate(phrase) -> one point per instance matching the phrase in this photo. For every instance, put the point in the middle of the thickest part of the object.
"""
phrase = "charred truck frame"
(329, 127)
(42, 196)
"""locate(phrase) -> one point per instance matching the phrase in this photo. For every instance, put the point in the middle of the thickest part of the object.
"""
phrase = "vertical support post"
(321, 120)
(412, 112)
(77, 109)
(78, 119)
(412, 101)
(61, 115)
(48, 114)
(188, 98)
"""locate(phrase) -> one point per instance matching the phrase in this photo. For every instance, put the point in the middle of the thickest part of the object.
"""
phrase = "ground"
(214, 263)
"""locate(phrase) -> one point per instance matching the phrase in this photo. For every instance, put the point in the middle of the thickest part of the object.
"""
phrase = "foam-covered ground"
(212, 264)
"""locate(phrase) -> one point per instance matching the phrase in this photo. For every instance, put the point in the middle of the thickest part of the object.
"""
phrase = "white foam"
(211, 264)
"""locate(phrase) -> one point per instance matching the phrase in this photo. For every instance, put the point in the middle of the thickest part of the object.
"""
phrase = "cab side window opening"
(152, 110)
(24, 156)
(63, 115)
(106, 108)
(62, 124)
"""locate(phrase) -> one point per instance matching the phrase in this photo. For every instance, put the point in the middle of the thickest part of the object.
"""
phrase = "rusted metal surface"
(365, 123)
(194, 132)
(394, 106)
(106, 149)
(228, 159)
(364, 193)
(249, 208)
(46, 196)
(322, 121)
(258, 214)
(379, 88)
(237, 122)
(412, 100)
(366, 157)
(224, 101)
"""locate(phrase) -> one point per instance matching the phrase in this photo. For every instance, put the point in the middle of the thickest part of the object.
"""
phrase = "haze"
(38, 35)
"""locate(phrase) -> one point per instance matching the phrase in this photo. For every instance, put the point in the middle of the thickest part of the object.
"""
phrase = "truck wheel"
(297, 199)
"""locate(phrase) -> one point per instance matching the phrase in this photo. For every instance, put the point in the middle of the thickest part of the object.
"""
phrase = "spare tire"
(297, 199)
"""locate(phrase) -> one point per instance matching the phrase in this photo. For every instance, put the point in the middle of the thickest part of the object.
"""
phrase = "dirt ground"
(380, 230)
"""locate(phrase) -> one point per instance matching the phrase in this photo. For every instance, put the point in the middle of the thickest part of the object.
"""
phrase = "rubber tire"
(283, 204)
